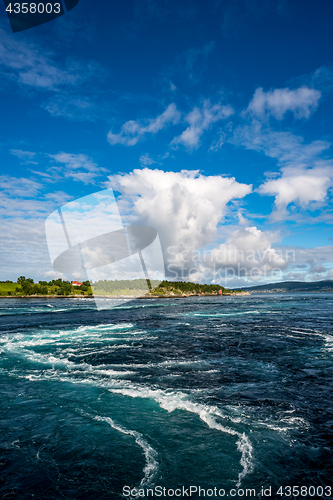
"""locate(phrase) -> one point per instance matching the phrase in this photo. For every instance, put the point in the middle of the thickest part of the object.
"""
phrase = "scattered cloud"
(248, 252)
(55, 275)
(77, 167)
(77, 107)
(47, 177)
(24, 208)
(146, 160)
(308, 263)
(300, 186)
(218, 143)
(24, 155)
(318, 268)
(24, 249)
(199, 120)
(257, 259)
(301, 102)
(19, 187)
(295, 277)
(321, 79)
(305, 177)
(58, 197)
(15, 207)
(286, 147)
(27, 64)
(134, 131)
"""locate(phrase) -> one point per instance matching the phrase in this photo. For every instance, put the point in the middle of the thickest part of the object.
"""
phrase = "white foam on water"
(93, 372)
(62, 369)
(176, 362)
(170, 401)
(21, 344)
(14, 445)
(151, 468)
(108, 326)
(326, 336)
(217, 315)
(179, 401)
(284, 424)
(51, 359)
(172, 363)
(296, 422)
(36, 310)
(140, 306)
(81, 333)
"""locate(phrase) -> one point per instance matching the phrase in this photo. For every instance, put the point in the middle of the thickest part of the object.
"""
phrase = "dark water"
(213, 392)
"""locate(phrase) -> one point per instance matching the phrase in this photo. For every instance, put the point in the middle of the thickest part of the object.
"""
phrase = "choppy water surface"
(227, 392)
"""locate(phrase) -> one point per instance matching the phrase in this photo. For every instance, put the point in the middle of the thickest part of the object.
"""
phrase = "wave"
(207, 315)
(38, 310)
(151, 468)
(169, 401)
(141, 306)
(179, 401)
(67, 345)
(108, 379)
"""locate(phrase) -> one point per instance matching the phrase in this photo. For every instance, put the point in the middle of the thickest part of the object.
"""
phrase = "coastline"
(170, 296)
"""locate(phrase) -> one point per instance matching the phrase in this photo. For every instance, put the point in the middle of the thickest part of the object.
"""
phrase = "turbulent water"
(231, 392)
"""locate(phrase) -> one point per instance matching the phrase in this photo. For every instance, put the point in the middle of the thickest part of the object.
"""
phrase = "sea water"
(232, 393)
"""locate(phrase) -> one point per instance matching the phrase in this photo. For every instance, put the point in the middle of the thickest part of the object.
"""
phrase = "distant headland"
(293, 287)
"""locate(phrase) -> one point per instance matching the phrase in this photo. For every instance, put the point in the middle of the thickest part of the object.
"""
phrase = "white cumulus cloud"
(297, 185)
(248, 252)
(184, 207)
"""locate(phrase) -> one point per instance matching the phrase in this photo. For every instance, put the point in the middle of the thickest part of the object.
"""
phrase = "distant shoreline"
(121, 296)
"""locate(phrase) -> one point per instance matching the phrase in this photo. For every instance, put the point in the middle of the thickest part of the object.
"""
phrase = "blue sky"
(212, 121)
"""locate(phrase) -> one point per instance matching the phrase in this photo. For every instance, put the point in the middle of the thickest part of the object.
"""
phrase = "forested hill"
(156, 288)
(187, 288)
(293, 286)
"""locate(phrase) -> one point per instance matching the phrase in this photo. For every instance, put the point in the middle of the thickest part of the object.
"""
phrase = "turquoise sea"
(232, 393)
